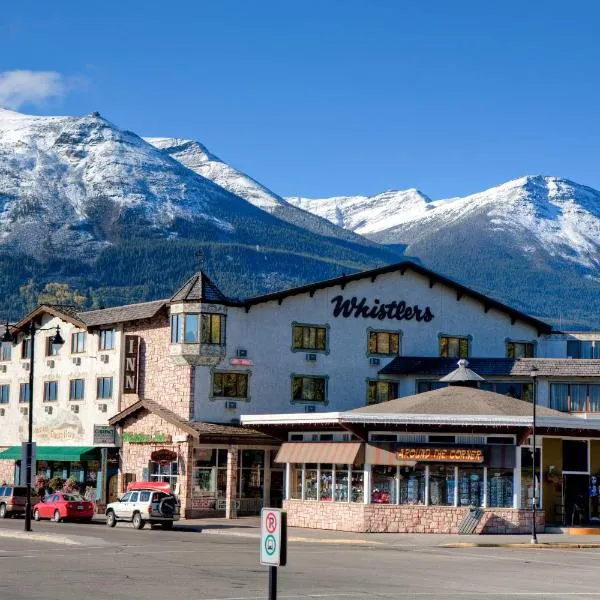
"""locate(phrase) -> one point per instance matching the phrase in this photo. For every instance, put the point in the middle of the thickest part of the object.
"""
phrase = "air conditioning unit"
(311, 357)
(374, 362)
(310, 408)
(75, 408)
(50, 363)
(102, 407)
(3, 368)
(26, 366)
(48, 410)
(2, 412)
(104, 358)
(77, 360)
(24, 410)
(242, 353)
(230, 404)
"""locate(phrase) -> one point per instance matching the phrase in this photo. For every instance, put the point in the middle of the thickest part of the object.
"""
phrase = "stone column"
(267, 479)
(232, 483)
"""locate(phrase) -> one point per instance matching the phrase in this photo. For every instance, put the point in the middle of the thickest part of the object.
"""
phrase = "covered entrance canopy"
(60, 453)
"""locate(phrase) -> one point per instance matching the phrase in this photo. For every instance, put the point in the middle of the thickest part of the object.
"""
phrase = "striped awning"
(385, 454)
(342, 453)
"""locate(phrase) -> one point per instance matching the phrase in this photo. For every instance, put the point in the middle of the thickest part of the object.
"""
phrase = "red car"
(61, 506)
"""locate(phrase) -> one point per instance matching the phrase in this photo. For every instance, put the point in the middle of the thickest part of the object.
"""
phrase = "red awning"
(342, 453)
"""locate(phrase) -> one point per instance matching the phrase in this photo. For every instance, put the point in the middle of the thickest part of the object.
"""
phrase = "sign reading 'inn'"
(130, 372)
(471, 455)
(399, 310)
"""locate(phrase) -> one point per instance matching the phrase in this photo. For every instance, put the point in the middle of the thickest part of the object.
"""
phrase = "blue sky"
(322, 98)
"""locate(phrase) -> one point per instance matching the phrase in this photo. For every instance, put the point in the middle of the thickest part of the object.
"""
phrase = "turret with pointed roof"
(199, 288)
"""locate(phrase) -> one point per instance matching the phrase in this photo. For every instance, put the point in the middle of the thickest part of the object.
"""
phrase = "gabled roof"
(402, 267)
(121, 314)
(65, 312)
(199, 288)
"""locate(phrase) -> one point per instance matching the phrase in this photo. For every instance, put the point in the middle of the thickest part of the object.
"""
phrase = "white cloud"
(32, 87)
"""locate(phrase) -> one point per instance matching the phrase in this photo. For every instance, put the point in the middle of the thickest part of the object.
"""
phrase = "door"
(121, 506)
(576, 499)
(131, 505)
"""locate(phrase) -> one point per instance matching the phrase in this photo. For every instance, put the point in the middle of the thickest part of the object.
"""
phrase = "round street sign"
(271, 522)
(270, 545)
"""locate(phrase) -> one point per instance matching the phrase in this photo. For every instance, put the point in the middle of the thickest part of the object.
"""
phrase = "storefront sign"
(130, 371)
(471, 455)
(103, 434)
(146, 438)
(163, 456)
(398, 310)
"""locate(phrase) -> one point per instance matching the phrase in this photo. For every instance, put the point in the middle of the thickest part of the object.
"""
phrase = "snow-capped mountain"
(368, 214)
(199, 159)
(82, 200)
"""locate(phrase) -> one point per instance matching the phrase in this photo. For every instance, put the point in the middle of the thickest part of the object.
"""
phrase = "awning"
(60, 453)
(341, 453)
(385, 454)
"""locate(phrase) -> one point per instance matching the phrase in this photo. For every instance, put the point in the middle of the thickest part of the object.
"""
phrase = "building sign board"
(131, 366)
(397, 309)
(470, 455)
(273, 537)
(146, 438)
(163, 456)
(103, 435)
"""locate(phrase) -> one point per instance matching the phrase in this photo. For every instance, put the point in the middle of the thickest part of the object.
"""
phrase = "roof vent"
(462, 376)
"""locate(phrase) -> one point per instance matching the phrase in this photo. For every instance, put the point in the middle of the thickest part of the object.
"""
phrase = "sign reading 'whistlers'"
(398, 310)
(472, 455)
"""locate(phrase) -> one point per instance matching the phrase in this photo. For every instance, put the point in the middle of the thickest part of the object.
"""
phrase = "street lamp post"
(57, 340)
(534, 540)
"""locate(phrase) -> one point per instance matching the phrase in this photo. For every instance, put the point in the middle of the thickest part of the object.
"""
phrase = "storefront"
(435, 462)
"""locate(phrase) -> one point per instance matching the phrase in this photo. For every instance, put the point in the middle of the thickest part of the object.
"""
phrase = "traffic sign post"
(273, 544)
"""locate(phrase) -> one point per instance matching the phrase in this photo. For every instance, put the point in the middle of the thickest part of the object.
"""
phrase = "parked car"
(145, 502)
(13, 499)
(60, 506)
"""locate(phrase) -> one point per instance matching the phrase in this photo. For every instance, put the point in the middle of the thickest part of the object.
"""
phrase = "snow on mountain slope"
(368, 214)
(199, 159)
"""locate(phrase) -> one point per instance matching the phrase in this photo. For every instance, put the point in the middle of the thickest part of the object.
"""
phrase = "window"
(76, 389)
(384, 342)
(134, 497)
(51, 349)
(454, 347)
(500, 488)
(4, 393)
(575, 397)
(145, 496)
(412, 485)
(309, 337)
(519, 390)
(309, 389)
(104, 388)
(520, 350)
(5, 351)
(427, 386)
(176, 329)
(107, 339)
(583, 349)
(383, 487)
(381, 391)
(442, 483)
(470, 486)
(168, 473)
(24, 392)
(575, 455)
(26, 348)
(78, 342)
(206, 328)
(230, 385)
(50, 391)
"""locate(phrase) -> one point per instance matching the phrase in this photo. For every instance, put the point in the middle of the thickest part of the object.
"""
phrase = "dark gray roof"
(199, 288)
(489, 367)
(457, 400)
(120, 314)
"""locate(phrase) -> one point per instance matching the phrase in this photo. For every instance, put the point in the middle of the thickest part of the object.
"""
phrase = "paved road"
(94, 562)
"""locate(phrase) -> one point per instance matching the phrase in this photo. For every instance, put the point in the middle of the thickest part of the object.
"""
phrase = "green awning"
(64, 453)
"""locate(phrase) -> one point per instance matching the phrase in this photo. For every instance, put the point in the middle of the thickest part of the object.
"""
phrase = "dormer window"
(194, 328)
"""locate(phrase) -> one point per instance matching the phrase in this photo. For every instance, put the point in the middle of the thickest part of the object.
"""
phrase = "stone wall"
(160, 379)
(7, 470)
(377, 518)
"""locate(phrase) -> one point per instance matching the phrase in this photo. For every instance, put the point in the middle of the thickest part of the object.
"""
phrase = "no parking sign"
(273, 537)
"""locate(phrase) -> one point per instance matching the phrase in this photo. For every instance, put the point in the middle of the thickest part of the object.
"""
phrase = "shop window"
(340, 493)
(50, 391)
(310, 482)
(296, 482)
(230, 385)
(384, 343)
(575, 455)
(326, 487)
(176, 328)
(527, 479)
(78, 342)
(442, 482)
(4, 394)
(251, 480)
(383, 485)
(309, 389)
(470, 486)
(454, 346)
(520, 349)
(76, 389)
(210, 470)
(412, 485)
(24, 392)
(500, 488)
(51, 349)
(205, 329)
(104, 388)
(107, 339)
(309, 337)
(26, 348)
(5, 351)
(164, 472)
(381, 391)
(357, 486)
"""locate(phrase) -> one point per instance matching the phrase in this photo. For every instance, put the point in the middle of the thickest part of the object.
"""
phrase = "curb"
(38, 537)
(522, 545)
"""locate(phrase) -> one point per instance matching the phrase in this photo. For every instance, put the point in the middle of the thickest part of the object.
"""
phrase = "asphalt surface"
(67, 561)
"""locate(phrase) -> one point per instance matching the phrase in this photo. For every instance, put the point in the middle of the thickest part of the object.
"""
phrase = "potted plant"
(56, 483)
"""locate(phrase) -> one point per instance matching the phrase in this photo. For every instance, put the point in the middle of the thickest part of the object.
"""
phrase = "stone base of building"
(378, 518)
